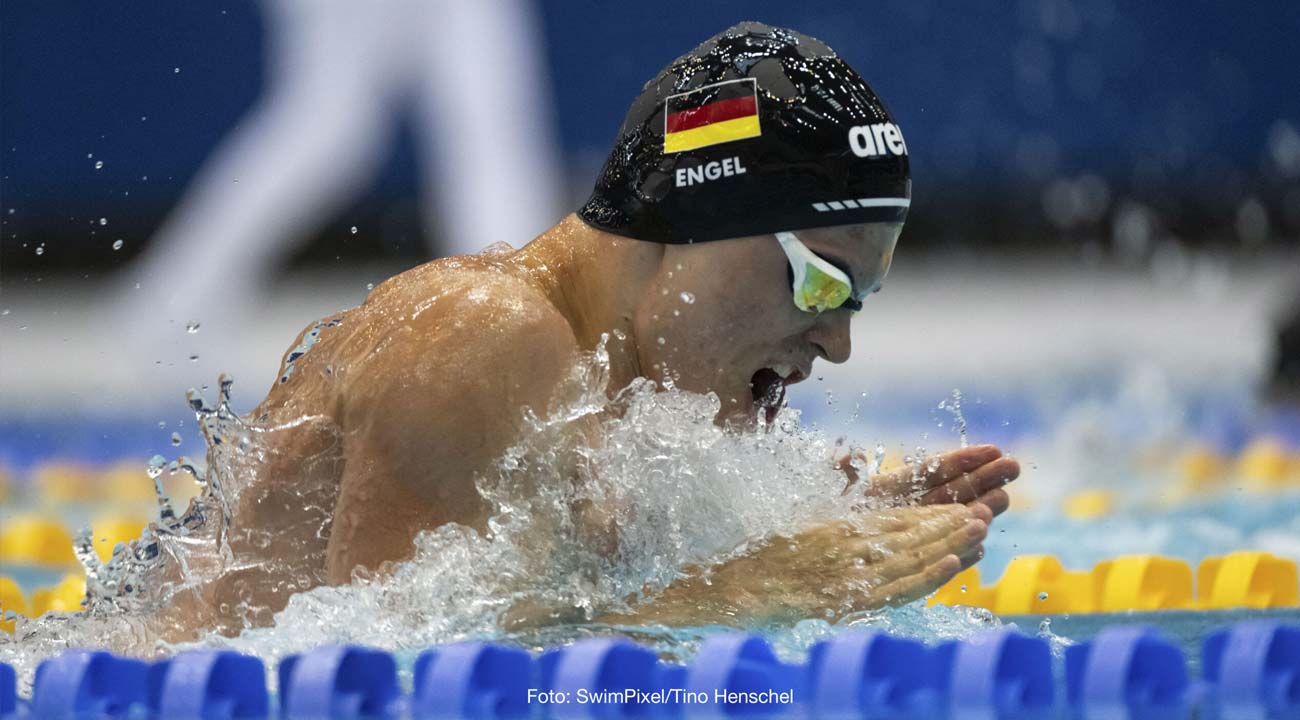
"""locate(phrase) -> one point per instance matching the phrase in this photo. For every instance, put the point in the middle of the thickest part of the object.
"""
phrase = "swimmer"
(758, 176)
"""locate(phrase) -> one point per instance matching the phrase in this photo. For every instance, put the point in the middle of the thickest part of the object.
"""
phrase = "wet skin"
(421, 388)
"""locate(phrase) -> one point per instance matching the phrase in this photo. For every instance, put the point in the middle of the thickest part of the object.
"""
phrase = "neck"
(596, 280)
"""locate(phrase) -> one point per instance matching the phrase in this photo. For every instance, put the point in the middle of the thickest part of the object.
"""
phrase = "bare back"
(410, 396)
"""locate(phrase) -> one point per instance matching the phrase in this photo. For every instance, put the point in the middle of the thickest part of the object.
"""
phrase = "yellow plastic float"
(1140, 582)
(1089, 504)
(1247, 579)
(107, 532)
(33, 540)
(1201, 467)
(64, 597)
(1038, 584)
(1265, 465)
(127, 481)
(60, 482)
(964, 589)
(1035, 584)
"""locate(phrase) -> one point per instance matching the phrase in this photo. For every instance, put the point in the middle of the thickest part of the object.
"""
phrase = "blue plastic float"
(1249, 670)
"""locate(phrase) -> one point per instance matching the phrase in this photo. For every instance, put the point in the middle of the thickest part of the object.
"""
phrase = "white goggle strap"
(800, 257)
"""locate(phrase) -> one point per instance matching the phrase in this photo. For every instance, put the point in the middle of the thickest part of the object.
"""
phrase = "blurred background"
(1102, 243)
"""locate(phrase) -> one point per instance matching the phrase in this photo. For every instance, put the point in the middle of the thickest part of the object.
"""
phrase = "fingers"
(916, 586)
(981, 511)
(923, 477)
(972, 556)
(895, 555)
(959, 542)
(931, 528)
(867, 568)
(937, 569)
(901, 519)
(992, 503)
(971, 485)
(959, 462)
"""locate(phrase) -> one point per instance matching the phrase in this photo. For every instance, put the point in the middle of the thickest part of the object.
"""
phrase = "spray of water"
(953, 405)
(681, 490)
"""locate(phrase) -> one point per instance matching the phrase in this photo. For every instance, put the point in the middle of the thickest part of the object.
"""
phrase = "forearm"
(722, 597)
(684, 603)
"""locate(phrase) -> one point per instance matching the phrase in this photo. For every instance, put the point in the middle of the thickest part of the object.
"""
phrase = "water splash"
(677, 489)
(953, 406)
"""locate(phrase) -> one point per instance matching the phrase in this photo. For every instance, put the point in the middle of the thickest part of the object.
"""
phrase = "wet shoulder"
(459, 301)
(463, 292)
(464, 340)
(451, 310)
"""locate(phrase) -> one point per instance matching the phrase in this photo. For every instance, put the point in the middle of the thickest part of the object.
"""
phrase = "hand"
(973, 476)
(887, 558)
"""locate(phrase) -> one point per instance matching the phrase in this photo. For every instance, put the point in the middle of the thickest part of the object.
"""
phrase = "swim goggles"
(818, 285)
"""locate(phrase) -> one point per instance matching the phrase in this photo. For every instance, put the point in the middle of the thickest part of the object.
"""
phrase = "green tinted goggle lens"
(817, 285)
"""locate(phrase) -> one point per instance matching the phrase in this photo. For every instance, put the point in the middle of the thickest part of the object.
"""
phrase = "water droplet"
(162, 425)
(688, 298)
(176, 70)
(194, 358)
(99, 164)
(117, 244)
(40, 249)
(662, 341)
(176, 438)
(354, 229)
(953, 406)
(1042, 596)
(677, 313)
(192, 327)
(370, 286)
(963, 588)
(103, 221)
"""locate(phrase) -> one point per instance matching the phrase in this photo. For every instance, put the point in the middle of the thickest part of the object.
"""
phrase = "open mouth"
(768, 388)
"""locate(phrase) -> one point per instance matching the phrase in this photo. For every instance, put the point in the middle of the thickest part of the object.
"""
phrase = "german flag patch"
(713, 114)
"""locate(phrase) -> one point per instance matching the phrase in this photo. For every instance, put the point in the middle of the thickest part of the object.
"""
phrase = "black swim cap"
(757, 130)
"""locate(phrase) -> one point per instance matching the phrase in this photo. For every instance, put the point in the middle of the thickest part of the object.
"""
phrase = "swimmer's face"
(721, 315)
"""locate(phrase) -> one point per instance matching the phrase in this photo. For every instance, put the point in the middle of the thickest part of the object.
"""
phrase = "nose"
(830, 334)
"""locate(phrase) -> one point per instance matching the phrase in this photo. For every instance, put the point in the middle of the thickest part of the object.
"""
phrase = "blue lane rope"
(1249, 669)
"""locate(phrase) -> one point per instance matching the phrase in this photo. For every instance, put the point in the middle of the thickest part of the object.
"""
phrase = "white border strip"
(861, 203)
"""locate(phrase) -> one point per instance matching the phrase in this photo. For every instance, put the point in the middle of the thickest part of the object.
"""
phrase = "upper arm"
(435, 401)
(452, 385)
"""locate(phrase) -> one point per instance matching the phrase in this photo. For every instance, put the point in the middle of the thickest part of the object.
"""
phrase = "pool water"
(693, 491)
